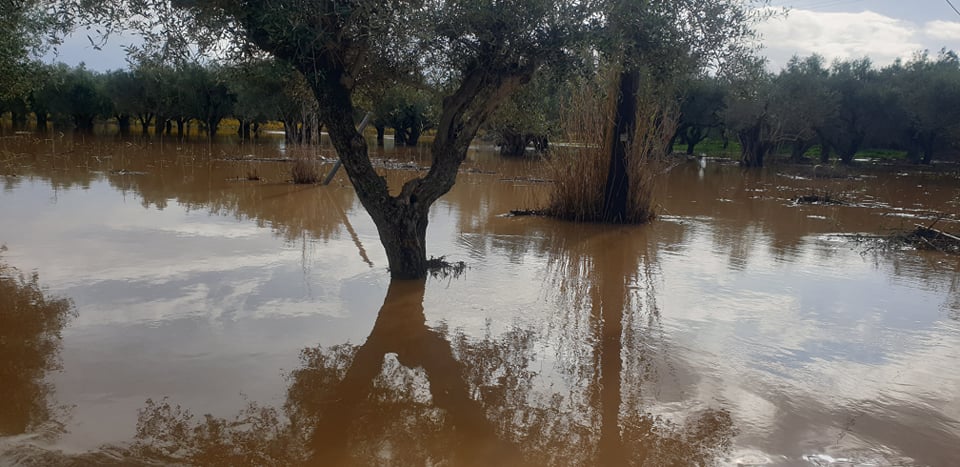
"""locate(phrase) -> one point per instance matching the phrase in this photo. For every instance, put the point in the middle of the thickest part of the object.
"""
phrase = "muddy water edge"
(178, 280)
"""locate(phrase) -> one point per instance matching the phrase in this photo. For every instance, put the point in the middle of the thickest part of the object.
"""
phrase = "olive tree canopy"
(479, 51)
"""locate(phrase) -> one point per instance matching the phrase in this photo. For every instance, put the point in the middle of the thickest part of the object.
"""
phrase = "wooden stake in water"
(336, 166)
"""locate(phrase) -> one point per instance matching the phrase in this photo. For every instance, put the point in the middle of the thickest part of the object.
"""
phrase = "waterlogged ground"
(740, 328)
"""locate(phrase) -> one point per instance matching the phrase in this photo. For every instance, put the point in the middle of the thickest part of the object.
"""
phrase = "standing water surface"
(739, 327)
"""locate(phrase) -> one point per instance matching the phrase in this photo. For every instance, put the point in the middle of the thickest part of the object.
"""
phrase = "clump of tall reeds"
(304, 172)
(580, 169)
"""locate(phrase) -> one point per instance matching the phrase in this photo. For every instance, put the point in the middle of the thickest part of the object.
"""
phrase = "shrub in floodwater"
(304, 172)
(579, 170)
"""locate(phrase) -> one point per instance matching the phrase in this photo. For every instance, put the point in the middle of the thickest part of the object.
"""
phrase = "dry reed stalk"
(304, 172)
(580, 170)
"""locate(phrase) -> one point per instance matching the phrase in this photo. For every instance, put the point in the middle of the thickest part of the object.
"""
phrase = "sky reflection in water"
(735, 328)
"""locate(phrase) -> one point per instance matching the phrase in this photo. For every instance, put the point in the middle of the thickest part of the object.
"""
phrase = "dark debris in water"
(440, 268)
(929, 238)
(818, 199)
(920, 238)
(127, 172)
(527, 212)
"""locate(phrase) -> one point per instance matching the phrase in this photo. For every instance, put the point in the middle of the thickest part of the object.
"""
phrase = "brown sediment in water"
(734, 329)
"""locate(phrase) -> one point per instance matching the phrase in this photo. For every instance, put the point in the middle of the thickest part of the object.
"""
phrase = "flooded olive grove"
(160, 306)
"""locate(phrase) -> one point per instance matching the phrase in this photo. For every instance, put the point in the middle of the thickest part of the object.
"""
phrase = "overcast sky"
(880, 29)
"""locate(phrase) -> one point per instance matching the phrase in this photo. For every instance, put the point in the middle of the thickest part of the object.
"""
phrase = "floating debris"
(127, 172)
(474, 170)
(825, 198)
(526, 179)
(922, 237)
(929, 238)
(440, 268)
(526, 212)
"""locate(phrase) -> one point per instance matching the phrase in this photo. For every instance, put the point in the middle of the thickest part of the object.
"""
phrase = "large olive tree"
(483, 49)
(24, 24)
(479, 51)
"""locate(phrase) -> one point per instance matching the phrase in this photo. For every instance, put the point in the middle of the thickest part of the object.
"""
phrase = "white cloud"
(838, 36)
(947, 30)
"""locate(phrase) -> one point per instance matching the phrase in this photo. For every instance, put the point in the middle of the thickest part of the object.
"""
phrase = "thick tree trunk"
(693, 136)
(289, 131)
(913, 151)
(541, 143)
(380, 134)
(19, 119)
(41, 122)
(752, 149)
(212, 124)
(403, 232)
(798, 148)
(847, 151)
(846, 154)
(399, 137)
(244, 130)
(123, 124)
(825, 147)
(512, 144)
(617, 190)
(145, 120)
(180, 124)
(413, 137)
(305, 132)
(929, 145)
(83, 123)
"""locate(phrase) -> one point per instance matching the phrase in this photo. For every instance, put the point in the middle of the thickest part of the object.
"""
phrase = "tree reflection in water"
(30, 326)
(607, 296)
(416, 395)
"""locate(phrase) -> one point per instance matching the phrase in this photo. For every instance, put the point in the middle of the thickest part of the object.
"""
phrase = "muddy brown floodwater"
(739, 328)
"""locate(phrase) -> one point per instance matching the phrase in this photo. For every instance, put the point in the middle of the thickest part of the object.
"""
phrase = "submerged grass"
(580, 170)
(304, 172)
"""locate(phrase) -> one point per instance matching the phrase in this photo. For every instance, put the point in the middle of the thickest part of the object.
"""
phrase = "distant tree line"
(166, 99)
(840, 108)
(850, 105)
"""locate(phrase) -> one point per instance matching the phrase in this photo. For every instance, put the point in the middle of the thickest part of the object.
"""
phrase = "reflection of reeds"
(253, 173)
(304, 172)
(580, 170)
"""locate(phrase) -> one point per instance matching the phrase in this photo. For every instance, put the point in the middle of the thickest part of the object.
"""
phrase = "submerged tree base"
(609, 177)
